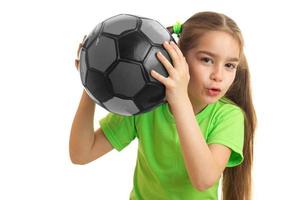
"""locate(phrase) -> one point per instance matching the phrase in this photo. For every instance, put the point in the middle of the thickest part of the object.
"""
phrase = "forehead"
(219, 43)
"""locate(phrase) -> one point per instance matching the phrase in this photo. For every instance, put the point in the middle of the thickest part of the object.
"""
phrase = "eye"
(206, 60)
(230, 66)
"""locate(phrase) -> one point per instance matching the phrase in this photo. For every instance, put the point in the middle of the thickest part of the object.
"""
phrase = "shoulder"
(225, 108)
(227, 128)
(226, 104)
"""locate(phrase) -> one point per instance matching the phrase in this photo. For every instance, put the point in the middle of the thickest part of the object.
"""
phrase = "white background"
(40, 91)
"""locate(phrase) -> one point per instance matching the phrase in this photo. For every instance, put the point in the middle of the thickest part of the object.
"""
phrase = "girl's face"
(212, 66)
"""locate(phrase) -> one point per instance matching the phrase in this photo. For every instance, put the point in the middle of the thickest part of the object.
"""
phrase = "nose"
(217, 73)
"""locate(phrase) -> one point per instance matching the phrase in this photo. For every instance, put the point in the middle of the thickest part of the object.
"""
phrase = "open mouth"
(214, 91)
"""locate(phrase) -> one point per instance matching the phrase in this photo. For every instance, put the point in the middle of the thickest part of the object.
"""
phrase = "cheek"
(198, 72)
(198, 78)
(196, 83)
(230, 80)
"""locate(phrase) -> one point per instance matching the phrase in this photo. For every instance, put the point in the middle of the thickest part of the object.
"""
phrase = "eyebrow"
(215, 55)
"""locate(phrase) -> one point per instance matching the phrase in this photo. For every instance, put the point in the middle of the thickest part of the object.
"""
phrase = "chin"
(210, 100)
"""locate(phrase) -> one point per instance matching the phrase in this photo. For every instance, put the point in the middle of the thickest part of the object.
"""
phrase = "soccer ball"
(116, 60)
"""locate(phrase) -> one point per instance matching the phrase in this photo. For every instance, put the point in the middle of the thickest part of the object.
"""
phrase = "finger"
(180, 55)
(78, 50)
(81, 45)
(178, 51)
(166, 63)
(158, 76)
(77, 63)
(171, 51)
(84, 37)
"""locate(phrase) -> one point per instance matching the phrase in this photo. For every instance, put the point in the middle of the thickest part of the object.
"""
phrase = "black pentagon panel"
(83, 67)
(133, 46)
(92, 36)
(152, 62)
(121, 106)
(155, 31)
(98, 86)
(146, 101)
(102, 53)
(127, 79)
(118, 24)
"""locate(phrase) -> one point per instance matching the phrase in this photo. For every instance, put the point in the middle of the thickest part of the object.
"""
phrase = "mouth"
(214, 91)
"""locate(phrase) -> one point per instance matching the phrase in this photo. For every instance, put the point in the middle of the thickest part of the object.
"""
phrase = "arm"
(86, 144)
(204, 163)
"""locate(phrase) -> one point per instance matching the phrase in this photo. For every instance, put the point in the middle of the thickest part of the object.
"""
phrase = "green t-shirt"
(160, 172)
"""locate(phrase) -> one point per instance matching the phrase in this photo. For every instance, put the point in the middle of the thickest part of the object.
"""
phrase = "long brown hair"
(237, 181)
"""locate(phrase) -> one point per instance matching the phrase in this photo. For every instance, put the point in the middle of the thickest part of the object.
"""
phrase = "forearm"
(200, 164)
(82, 131)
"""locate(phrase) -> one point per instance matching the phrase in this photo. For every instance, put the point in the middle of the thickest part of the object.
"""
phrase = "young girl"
(204, 131)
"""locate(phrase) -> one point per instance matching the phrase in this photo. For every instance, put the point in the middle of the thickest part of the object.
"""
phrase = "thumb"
(77, 64)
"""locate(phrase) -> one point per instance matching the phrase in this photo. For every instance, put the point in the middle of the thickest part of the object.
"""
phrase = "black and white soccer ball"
(115, 63)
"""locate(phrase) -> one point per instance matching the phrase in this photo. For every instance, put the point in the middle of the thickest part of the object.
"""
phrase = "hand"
(177, 82)
(78, 52)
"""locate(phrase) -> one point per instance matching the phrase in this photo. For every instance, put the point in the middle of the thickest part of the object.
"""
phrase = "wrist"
(179, 101)
(182, 111)
(180, 105)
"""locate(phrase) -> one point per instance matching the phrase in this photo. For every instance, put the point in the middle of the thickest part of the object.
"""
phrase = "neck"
(197, 106)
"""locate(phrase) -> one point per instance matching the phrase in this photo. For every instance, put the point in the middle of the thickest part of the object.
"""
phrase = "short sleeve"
(119, 130)
(229, 130)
